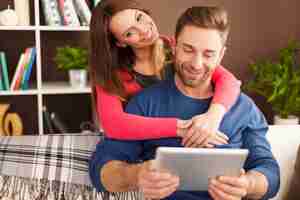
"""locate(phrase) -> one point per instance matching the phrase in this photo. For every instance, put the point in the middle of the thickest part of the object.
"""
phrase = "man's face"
(197, 53)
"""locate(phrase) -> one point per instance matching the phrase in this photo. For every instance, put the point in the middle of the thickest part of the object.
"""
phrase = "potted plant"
(75, 61)
(279, 83)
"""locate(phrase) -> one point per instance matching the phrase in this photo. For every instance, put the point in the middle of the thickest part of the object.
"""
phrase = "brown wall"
(259, 29)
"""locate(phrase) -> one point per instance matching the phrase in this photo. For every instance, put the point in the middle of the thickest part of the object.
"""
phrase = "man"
(201, 33)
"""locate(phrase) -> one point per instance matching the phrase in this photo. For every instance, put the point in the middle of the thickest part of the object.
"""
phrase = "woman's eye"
(139, 17)
(128, 34)
(187, 50)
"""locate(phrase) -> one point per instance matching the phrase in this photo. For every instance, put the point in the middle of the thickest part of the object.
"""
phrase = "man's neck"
(203, 91)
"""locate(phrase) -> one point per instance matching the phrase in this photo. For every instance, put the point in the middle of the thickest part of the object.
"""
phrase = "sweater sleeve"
(118, 124)
(227, 87)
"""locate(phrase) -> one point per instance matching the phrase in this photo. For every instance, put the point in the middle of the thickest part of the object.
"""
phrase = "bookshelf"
(48, 86)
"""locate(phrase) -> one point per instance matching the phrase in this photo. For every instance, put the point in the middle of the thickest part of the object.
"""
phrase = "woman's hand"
(202, 130)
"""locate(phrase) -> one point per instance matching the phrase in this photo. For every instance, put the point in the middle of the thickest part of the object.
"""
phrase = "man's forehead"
(200, 38)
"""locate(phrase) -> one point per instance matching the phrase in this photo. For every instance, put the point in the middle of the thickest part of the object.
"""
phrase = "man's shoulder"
(244, 101)
(155, 90)
(243, 105)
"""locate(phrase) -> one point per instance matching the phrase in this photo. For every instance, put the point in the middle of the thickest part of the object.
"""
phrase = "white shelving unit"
(43, 88)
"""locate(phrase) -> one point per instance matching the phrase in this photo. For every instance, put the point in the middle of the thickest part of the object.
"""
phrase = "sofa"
(285, 142)
(58, 166)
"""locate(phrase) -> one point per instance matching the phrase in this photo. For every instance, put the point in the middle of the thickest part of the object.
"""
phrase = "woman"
(127, 55)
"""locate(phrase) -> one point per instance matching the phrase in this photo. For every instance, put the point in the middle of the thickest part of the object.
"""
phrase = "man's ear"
(120, 44)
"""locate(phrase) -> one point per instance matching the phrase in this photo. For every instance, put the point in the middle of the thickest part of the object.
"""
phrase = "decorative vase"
(8, 17)
(22, 10)
(78, 78)
(291, 120)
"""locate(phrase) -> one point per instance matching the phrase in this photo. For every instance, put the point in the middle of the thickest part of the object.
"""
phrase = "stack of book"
(68, 12)
(20, 79)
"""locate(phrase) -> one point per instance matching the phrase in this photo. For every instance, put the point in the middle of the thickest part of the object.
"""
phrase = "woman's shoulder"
(124, 74)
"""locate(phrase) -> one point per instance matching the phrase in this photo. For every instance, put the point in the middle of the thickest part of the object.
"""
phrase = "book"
(51, 12)
(17, 71)
(4, 71)
(83, 12)
(68, 13)
(1, 77)
(47, 120)
(27, 73)
(96, 2)
(58, 123)
(23, 68)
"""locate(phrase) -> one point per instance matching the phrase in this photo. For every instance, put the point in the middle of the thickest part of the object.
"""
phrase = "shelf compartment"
(50, 40)
(14, 45)
(72, 110)
(26, 107)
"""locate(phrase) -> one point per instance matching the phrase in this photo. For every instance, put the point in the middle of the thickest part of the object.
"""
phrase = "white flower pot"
(78, 78)
(291, 120)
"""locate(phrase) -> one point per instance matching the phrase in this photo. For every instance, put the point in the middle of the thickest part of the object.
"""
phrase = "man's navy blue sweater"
(244, 124)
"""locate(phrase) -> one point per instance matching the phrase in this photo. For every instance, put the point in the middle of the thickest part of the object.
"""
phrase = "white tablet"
(195, 166)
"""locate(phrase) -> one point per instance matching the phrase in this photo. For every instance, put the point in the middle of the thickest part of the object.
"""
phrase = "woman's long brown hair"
(105, 56)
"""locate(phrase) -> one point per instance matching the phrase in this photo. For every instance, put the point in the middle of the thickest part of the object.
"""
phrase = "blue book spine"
(27, 73)
(4, 71)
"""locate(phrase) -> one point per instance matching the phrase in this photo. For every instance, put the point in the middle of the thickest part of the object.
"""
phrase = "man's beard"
(193, 83)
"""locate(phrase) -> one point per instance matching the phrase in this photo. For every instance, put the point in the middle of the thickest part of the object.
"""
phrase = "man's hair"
(210, 17)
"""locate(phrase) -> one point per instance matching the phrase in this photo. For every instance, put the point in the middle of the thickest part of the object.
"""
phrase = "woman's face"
(134, 28)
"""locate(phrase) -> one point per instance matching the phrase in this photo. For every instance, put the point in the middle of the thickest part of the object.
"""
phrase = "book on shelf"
(27, 72)
(1, 77)
(47, 120)
(83, 12)
(4, 69)
(96, 2)
(23, 68)
(17, 71)
(58, 123)
(68, 13)
(51, 13)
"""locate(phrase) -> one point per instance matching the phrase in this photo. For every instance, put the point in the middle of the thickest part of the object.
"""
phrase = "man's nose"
(197, 61)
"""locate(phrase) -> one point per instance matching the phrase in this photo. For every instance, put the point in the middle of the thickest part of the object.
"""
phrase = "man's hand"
(229, 188)
(156, 184)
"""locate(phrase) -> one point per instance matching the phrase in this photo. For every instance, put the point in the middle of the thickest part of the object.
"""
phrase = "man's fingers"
(217, 140)
(220, 194)
(213, 194)
(159, 193)
(222, 135)
(235, 191)
(234, 181)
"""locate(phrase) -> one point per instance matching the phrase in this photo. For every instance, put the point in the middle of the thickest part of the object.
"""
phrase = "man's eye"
(209, 56)
(187, 50)
(139, 17)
